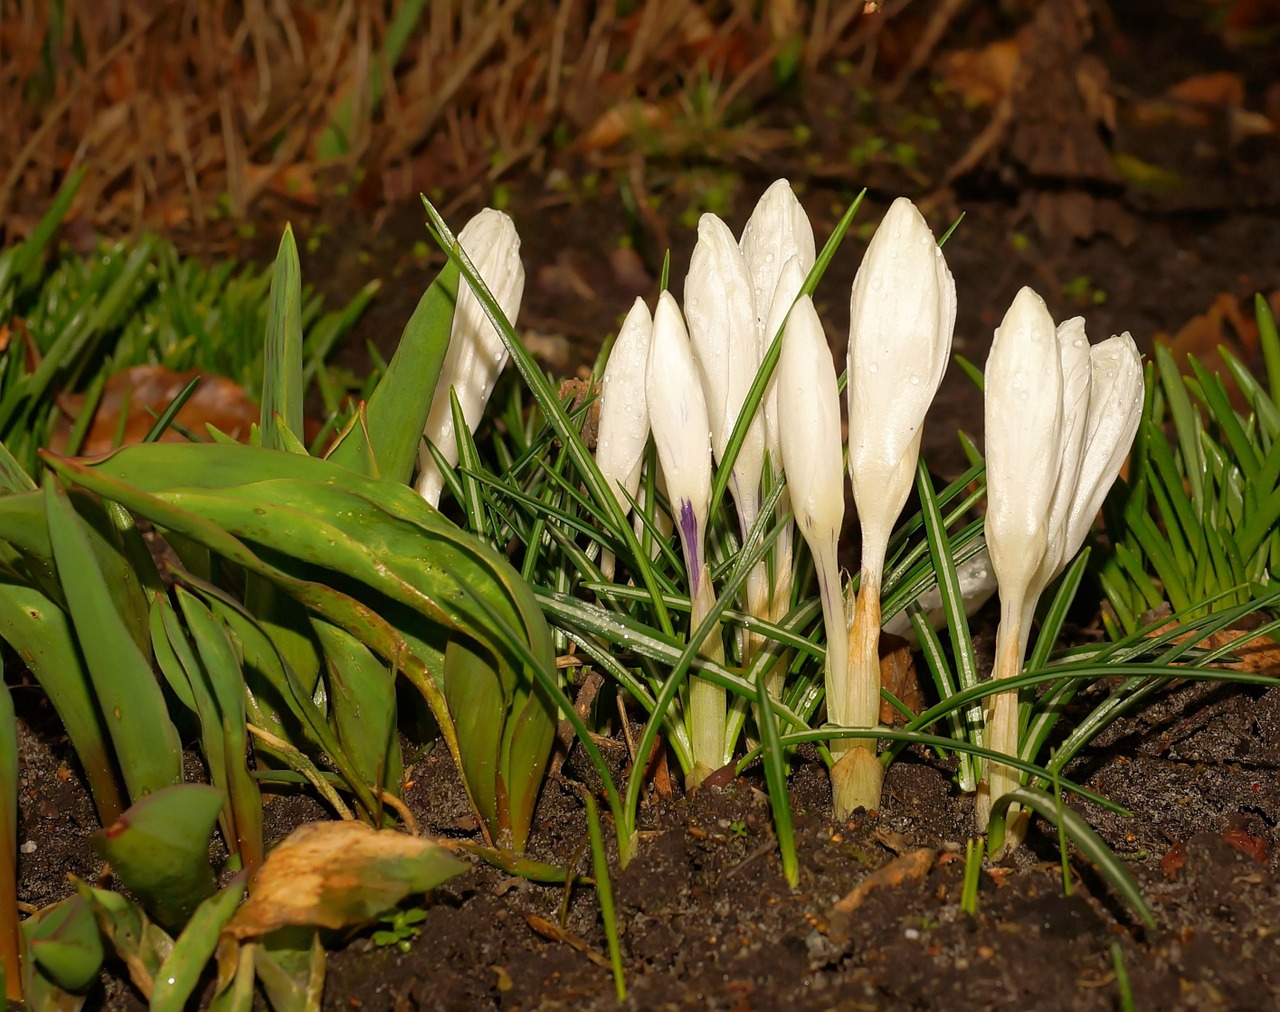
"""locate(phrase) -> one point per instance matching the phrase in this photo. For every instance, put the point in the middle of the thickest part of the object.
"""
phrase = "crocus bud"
(777, 231)
(809, 410)
(720, 308)
(623, 431)
(1060, 418)
(476, 352)
(902, 312)
(1023, 441)
(681, 431)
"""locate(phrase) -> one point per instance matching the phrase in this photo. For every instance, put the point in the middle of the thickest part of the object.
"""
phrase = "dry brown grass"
(180, 108)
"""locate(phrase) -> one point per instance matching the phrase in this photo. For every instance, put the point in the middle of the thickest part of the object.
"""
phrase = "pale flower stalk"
(1060, 418)
(809, 409)
(902, 314)
(476, 352)
(681, 434)
(623, 431)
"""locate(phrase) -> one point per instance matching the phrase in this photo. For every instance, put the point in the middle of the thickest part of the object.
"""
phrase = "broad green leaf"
(397, 411)
(133, 706)
(142, 945)
(10, 963)
(65, 942)
(160, 849)
(38, 630)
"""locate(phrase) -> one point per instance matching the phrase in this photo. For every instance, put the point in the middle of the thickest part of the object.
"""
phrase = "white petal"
(902, 314)
(1115, 409)
(624, 412)
(720, 309)
(809, 406)
(1073, 355)
(678, 416)
(790, 281)
(1023, 439)
(777, 230)
(476, 352)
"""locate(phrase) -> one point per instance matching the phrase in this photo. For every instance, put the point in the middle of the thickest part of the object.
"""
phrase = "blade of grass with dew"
(1103, 857)
(144, 738)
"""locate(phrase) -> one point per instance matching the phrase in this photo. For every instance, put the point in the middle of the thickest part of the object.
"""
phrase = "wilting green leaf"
(160, 849)
(339, 874)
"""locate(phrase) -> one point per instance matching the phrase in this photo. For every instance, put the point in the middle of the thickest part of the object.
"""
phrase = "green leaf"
(38, 630)
(398, 408)
(181, 970)
(65, 943)
(142, 945)
(282, 363)
(10, 961)
(160, 849)
(1090, 844)
(146, 742)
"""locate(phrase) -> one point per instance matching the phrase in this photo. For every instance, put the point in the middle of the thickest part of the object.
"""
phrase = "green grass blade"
(1090, 844)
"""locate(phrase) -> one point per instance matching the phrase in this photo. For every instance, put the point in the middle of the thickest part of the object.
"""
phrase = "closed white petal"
(1023, 440)
(809, 405)
(678, 417)
(720, 309)
(777, 230)
(1115, 409)
(1073, 355)
(790, 281)
(902, 314)
(624, 414)
(476, 352)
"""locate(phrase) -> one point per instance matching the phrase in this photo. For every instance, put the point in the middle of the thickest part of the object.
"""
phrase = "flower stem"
(857, 776)
(707, 716)
(1002, 713)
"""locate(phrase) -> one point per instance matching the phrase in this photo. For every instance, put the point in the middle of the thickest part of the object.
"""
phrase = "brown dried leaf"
(1174, 860)
(983, 76)
(1222, 88)
(898, 674)
(910, 867)
(337, 874)
(144, 391)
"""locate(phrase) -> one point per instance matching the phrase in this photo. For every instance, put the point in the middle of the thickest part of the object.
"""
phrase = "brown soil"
(706, 918)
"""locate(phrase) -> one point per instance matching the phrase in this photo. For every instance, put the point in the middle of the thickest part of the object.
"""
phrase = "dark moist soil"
(707, 920)
(706, 917)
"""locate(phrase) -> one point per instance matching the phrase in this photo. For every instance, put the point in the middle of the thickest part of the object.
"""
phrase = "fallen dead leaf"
(1222, 88)
(338, 874)
(898, 674)
(143, 392)
(1246, 843)
(1174, 860)
(554, 933)
(910, 867)
(983, 76)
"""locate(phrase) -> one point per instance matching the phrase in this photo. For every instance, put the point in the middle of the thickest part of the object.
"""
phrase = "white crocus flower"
(1060, 418)
(777, 231)
(623, 431)
(809, 409)
(720, 308)
(476, 352)
(902, 314)
(681, 434)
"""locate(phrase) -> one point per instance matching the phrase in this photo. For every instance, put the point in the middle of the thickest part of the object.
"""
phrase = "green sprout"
(401, 928)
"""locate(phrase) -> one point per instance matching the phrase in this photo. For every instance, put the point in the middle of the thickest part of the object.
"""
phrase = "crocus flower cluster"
(1060, 418)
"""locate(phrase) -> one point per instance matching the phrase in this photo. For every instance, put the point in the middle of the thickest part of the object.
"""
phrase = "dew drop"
(768, 258)
(873, 367)
(915, 381)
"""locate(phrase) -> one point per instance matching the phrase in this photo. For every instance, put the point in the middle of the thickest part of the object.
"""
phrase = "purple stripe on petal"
(689, 535)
